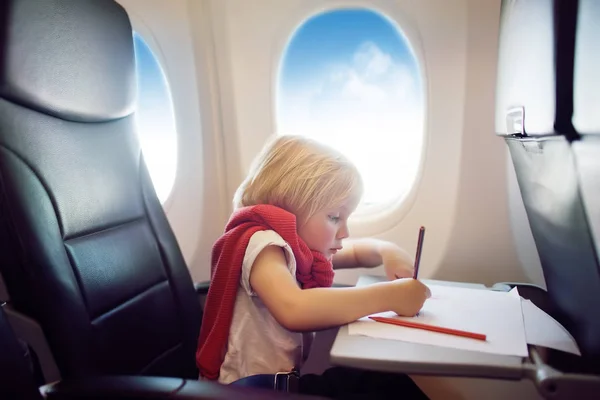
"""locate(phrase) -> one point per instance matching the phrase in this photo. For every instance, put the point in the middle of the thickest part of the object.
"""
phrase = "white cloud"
(372, 80)
(371, 61)
(355, 87)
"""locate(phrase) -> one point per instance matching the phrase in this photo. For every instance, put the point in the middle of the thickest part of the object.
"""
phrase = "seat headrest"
(71, 59)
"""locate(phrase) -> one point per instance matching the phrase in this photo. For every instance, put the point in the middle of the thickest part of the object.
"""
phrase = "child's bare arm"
(369, 253)
(320, 308)
(363, 253)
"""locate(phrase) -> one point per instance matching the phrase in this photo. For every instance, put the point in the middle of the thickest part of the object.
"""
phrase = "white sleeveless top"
(257, 344)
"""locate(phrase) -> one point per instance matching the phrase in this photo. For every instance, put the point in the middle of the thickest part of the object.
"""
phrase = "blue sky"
(155, 119)
(331, 38)
(349, 79)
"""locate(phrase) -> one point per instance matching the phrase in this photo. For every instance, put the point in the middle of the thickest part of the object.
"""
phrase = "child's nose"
(343, 232)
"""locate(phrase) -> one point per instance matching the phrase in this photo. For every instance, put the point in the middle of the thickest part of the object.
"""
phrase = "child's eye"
(334, 218)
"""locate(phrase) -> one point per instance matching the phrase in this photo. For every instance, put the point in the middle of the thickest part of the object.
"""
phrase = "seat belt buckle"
(287, 381)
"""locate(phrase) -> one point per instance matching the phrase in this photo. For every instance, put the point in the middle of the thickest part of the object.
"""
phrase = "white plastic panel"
(586, 96)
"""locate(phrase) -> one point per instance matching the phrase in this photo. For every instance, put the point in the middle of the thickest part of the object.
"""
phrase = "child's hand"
(398, 264)
(408, 296)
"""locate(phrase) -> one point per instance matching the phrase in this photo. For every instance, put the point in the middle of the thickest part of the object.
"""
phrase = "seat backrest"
(16, 380)
(554, 162)
(85, 247)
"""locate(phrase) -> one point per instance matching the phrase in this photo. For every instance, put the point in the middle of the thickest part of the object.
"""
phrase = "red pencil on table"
(433, 328)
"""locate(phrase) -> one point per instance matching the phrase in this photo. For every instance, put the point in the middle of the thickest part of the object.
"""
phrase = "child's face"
(325, 230)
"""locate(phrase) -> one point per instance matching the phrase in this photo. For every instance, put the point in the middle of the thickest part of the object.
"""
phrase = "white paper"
(543, 330)
(496, 314)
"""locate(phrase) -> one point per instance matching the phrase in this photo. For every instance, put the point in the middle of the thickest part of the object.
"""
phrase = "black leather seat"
(85, 247)
(551, 127)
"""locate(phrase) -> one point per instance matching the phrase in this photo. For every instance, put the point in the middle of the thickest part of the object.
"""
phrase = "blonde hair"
(299, 175)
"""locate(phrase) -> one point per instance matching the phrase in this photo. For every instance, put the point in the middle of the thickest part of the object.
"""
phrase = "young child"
(272, 270)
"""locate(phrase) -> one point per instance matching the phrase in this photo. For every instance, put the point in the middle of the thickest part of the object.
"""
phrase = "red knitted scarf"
(312, 270)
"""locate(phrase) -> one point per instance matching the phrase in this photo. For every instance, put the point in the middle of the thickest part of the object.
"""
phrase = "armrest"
(202, 287)
(202, 291)
(113, 387)
(145, 387)
(31, 333)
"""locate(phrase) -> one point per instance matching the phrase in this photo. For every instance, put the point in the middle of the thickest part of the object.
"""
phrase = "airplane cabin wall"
(221, 58)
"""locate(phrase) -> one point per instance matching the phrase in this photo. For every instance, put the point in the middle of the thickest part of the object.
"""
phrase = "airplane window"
(155, 120)
(349, 79)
